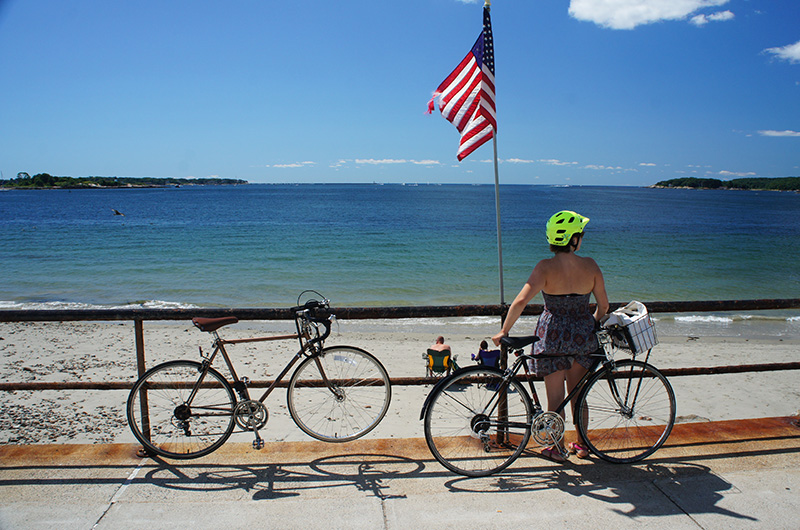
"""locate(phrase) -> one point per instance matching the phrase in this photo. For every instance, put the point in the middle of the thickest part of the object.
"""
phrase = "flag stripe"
(467, 95)
(455, 97)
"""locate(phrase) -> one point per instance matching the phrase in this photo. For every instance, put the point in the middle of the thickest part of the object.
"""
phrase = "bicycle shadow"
(659, 486)
(691, 488)
(369, 473)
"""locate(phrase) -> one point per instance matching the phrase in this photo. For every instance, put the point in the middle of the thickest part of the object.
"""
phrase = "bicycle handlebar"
(315, 311)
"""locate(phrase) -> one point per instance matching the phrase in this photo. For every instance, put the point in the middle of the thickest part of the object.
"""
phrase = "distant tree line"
(778, 184)
(45, 180)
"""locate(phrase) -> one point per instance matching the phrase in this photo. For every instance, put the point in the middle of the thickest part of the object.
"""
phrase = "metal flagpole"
(497, 210)
(488, 5)
(502, 404)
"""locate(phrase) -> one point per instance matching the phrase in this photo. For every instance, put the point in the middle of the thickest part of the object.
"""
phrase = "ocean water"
(260, 245)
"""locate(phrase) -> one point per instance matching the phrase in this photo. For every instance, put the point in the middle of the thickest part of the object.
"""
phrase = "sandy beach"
(105, 351)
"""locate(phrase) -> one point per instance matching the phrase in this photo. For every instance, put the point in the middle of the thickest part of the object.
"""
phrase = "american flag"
(466, 97)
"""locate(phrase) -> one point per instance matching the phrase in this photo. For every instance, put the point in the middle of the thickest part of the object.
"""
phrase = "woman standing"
(566, 328)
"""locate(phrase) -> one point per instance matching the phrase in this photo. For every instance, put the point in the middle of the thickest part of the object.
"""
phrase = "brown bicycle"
(187, 409)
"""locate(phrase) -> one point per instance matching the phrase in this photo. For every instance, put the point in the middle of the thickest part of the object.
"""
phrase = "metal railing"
(140, 315)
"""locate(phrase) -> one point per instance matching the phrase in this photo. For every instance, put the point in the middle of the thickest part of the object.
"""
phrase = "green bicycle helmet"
(563, 225)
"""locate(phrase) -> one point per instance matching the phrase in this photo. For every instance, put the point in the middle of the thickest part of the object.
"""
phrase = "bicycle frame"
(601, 363)
(309, 346)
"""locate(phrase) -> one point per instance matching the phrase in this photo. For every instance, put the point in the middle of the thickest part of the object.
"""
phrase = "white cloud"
(379, 162)
(520, 161)
(627, 14)
(596, 166)
(789, 53)
(779, 133)
(648, 164)
(554, 162)
(702, 20)
(735, 174)
(292, 165)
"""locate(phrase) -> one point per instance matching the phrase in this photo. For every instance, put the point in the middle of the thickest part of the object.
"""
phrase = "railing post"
(142, 368)
(502, 403)
(502, 410)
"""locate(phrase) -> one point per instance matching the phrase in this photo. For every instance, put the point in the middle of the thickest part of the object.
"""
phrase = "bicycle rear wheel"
(626, 413)
(166, 424)
(475, 425)
(355, 402)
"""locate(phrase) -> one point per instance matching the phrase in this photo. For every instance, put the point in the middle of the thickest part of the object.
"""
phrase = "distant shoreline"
(742, 184)
(129, 186)
(45, 181)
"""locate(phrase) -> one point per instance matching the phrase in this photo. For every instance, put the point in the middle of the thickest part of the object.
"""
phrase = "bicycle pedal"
(258, 443)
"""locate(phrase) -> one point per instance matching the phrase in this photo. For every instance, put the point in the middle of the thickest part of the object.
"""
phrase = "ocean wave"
(57, 305)
(725, 319)
(706, 319)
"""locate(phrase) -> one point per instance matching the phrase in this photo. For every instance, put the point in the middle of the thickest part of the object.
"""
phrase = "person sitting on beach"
(485, 356)
(566, 327)
(439, 345)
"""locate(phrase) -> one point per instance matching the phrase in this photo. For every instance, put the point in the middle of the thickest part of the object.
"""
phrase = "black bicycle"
(479, 419)
(187, 409)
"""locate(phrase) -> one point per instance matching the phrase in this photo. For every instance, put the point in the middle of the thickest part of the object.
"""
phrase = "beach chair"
(490, 358)
(439, 363)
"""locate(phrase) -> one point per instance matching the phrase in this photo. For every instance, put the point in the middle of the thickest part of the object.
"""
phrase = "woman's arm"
(600, 295)
(529, 290)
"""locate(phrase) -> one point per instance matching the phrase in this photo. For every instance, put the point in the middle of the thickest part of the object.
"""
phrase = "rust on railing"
(139, 315)
(402, 381)
(361, 313)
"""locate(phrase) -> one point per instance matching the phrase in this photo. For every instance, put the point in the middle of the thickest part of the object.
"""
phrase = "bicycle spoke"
(469, 441)
(627, 412)
(354, 400)
(178, 429)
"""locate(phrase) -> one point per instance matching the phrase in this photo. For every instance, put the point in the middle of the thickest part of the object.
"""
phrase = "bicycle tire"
(359, 400)
(176, 430)
(632, 427)
(462, 426)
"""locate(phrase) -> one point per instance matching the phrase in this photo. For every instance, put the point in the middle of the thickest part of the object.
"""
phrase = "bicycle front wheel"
(475, 425)
(626, 412)
(340, 394)
(167, 423)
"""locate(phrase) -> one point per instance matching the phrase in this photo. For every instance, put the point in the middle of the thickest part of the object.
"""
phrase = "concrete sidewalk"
(733, 474)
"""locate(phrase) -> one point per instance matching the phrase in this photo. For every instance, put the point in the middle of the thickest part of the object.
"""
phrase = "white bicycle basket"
(639, 330)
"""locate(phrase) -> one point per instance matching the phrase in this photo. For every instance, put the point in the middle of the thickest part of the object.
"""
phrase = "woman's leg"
(554, 387)
(573, 377)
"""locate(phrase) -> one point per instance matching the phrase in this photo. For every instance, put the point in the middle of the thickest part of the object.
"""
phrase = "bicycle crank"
(548, 428)
(250, 415)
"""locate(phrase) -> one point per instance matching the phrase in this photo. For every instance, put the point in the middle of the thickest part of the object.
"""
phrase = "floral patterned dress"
(566, 328)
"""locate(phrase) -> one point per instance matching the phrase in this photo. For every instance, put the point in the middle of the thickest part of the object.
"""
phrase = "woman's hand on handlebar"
(496, 338)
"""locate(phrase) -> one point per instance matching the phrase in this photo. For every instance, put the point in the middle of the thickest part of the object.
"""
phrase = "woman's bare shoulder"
(545, 265)
(589, 262)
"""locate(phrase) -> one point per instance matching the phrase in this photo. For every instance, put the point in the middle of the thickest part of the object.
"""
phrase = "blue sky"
(598, 92)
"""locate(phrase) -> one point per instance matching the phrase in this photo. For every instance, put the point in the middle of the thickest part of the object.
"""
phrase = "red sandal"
(578, 450)
(553, 454)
